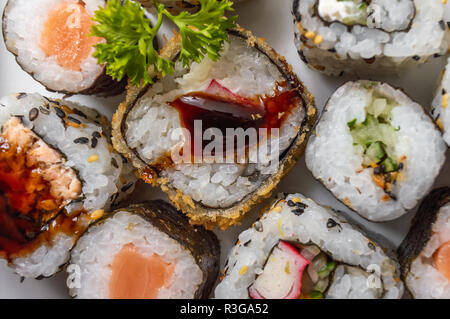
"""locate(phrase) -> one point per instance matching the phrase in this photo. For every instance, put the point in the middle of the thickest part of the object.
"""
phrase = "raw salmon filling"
(442, 260)
(65, 35)
(34, 182)
(135, 276)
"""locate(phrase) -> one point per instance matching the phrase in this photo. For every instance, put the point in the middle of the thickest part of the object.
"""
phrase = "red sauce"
(228, 110)
(29, 214)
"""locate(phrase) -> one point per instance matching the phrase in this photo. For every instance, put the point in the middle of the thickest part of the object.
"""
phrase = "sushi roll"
(58, 171)
(441, 109)
(145, 251)
(425, 252)
(250, 89)
(376, 150)
(367, 37)
(301, 250)
(51, 42)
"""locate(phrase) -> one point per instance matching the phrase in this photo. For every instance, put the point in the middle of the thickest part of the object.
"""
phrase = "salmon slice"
(65, 35)
(442, 260)
(135, 276)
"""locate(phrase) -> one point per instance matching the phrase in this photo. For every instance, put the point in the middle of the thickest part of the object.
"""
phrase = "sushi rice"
(441, 109)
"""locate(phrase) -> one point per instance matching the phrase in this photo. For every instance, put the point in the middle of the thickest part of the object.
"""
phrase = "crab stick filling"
(442, 260)
(65, 35)
(135, 276)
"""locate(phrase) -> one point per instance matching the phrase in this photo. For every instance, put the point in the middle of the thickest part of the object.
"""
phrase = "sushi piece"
(301, 250)
(376, 150)
(425, 252)
(58, 171)
(145, 251)
(362, 37)
(166, 130)
(441, 109)
(51, 42)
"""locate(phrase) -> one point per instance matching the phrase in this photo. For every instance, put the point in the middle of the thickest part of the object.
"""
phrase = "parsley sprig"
(129, 47)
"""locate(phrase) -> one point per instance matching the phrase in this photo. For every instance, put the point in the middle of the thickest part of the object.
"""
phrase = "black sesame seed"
(400, 166)
(81, 140)
(332, 50)
(22, 279)
(44, 110)
(124, 160)
(78, 112)
(331, 223)
(442, 24)
(247, 243)
(436, 55)
(416, 57)
(96, 134)
(114, 163)
(127, 187)
(21, 96)
(34, 112)
(290, 203)
(371, 246)
(448, 24)
(94, 142)
(378, 170)
(298, 211)
(444, 92)
(60, 112)
(72, 119)
(298, 17)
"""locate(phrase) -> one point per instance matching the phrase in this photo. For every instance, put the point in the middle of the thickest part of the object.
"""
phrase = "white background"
(272, 20)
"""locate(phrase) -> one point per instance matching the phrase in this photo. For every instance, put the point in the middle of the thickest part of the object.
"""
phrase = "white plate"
(272, 20)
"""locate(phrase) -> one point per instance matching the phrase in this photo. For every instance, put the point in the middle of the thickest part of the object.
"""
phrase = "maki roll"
(301, 250)
(441, 111)
(425, 252)
(376, 150)
(167, 130)
(51, 42)
(58, 171)
(368, 36)
(145, 251)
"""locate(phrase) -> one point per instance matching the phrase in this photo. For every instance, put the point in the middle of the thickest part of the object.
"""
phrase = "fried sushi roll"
(301, 250)
(441, 111)
(51, 42)
(58, 171)
(367, 37)
(425, 252)
(145, 251)
(376, 150)
(250, 89)
(177, 6)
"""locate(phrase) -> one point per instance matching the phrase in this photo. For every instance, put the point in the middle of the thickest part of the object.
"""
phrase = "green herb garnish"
(129, 48)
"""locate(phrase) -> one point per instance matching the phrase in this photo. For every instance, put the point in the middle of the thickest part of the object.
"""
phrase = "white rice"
(423, 279)
(441, 105)
(152, 123)
(344, 244)
(95, 252)
(332, 158)
(102, 182)
(381, 47)
(23, 22)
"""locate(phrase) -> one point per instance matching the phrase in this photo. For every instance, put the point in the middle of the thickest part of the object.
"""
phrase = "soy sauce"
(29, 214)
(222, 112)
